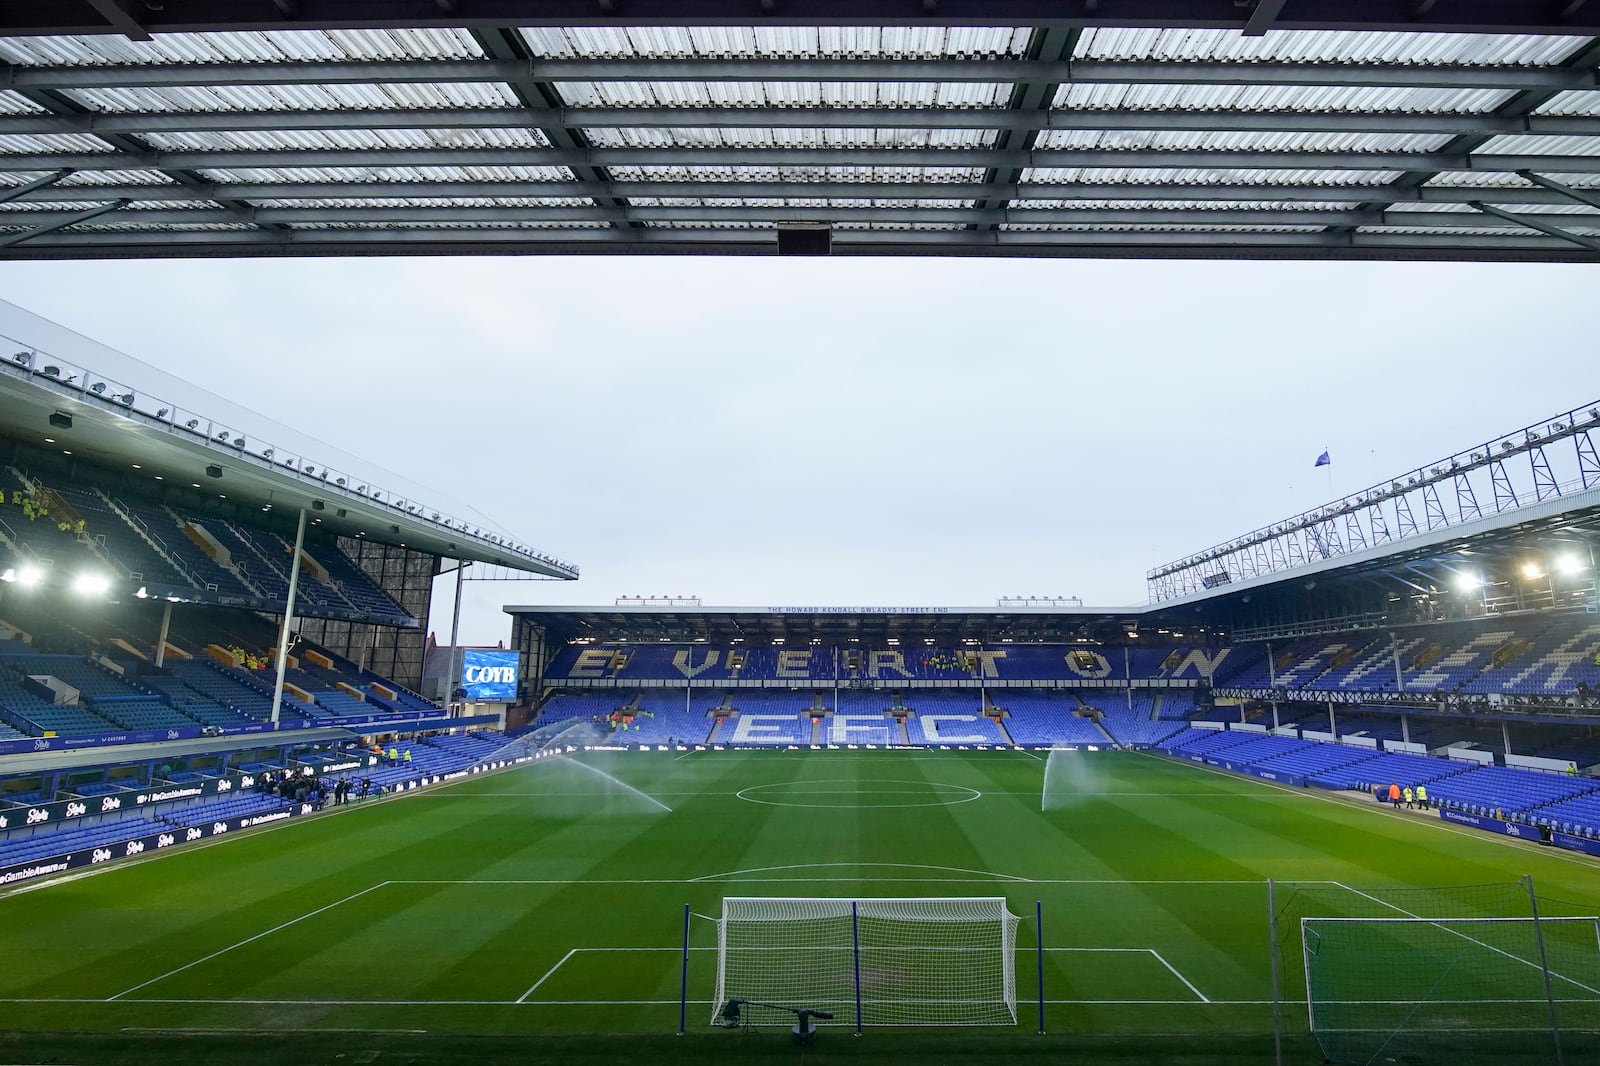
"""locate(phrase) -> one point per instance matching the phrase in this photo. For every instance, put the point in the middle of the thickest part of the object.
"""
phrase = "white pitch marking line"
(547, 975)
(623, 1002)
(247, 940)
(732, 878)
(982, 874)
(1187, 983)
(1456, 932)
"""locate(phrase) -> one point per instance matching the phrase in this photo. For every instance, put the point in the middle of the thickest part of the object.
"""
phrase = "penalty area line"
(246, 940)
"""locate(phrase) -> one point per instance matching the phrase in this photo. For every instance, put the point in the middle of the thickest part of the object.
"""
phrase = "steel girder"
(139, 20)
(690, 69)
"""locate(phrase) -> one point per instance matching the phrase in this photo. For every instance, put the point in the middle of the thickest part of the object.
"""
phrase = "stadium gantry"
(1384, 129)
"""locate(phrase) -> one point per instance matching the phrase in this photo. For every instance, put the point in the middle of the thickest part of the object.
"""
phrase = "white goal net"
(929, 961)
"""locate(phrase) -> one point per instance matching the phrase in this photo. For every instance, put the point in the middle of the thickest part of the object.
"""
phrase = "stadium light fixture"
(1570, 565)
(1468, 582)
(90, 583)
(1532, 571)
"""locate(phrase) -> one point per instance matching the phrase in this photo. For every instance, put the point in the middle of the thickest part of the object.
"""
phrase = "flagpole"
(1329, 453)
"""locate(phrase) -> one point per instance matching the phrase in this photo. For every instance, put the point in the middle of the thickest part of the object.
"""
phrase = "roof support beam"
(1582, 196)
(544, 98)
(845, 191)
(1262, 16)
(736, 212)
(120, 19)
(1097, 71)
(17, 192)
(965, 118)
(943, 158)
(1534, 222)
(132, 152)
(1583, 60)
(1030, 102)
(1152, 243)
(10, 239)
(193, 16)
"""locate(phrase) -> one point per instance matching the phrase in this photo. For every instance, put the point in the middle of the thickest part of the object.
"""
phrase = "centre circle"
(855, 795)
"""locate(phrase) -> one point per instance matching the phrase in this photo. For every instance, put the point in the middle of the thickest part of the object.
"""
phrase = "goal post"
(868, 961)
(1384, 988)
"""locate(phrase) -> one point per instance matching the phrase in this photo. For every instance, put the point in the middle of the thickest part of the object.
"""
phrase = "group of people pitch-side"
(314, 790)
(1410, 797)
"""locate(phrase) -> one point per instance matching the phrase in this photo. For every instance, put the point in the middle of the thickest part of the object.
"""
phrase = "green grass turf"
(412, 928)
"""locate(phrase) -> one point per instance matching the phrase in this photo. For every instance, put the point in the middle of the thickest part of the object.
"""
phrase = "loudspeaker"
(805, 240)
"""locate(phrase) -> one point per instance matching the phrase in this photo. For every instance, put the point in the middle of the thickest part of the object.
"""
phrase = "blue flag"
(1323, 460)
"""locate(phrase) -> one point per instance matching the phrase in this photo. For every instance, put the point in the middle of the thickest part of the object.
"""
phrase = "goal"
(925, 961)
(1463, 988)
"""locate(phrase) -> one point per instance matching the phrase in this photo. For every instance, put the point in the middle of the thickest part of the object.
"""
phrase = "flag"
(1323, 460)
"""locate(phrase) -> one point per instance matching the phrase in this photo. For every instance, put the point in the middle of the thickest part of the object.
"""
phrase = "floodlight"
(1468, 582)
(1532, 571)
(51, 371)
(193, 422)
(308, 469)
(222, 434)
(238, 442)
(90, 583)
(125, 399)
(164, 412)
(29, 575)
(338, 481)
(1570, 564)
(22, 358)
(267, 455)
(98, 387)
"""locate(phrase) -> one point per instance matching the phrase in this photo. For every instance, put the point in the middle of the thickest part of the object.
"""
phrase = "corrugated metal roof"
(1330, 46)
(16, 104)
(1067, 227)
(1199, 206)
(1263, 140)
(224, 48)
(1467, 179)
(228, 98)
(777, 41)
(1238, 140)
(810, 137)
(1339, 99)
(1203, 177)
(783, 94)
(371, 175)
(1571, 102)
(317, 140)
(1522, 144)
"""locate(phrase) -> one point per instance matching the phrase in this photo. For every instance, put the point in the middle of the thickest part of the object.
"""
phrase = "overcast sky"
(858, 431)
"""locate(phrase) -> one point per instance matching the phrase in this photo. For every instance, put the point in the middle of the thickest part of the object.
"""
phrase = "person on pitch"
(1394, 794)
(1422, 796)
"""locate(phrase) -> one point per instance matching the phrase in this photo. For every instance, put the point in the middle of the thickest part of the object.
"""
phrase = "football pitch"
(537, 914)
